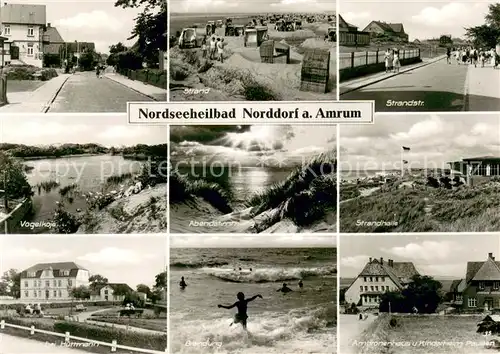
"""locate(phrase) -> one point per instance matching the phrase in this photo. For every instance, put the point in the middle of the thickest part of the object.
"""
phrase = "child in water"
(241, 305)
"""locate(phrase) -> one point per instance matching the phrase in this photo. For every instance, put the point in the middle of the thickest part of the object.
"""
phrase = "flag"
(405, 162)
(405, 148)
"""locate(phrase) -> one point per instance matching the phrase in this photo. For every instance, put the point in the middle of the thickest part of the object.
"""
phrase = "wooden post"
(66, 337)
(113, 346)
(376, 62)
(352, 60)
(2, 324)
(366, 58)
(32, 330)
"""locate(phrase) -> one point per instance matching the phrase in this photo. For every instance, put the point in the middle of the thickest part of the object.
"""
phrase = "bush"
(48, 74)
(57, 305)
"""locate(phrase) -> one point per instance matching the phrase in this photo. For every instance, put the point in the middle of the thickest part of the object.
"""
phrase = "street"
(439, 86)
(17, 345)
(84, 92)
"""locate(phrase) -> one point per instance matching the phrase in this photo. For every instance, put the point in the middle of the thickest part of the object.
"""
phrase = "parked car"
(80, 307)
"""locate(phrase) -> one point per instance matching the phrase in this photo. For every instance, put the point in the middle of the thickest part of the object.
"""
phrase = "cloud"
(32, 255)
(95, 20)
(423, 129)
(204, 5)
(356, 262)
(354, 17)
(113, 256)
(122, 132)
(40, 128)
(455, 13)
(427, 250)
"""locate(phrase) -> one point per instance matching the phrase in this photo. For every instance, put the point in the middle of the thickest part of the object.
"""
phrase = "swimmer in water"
(182, 283)
(301, 284)
(284, 289)
(241, 305)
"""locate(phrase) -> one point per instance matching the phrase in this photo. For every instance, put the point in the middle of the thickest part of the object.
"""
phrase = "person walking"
(220, 49)
(388, 61)
(213, 48)
(395, 63)
(204, 48)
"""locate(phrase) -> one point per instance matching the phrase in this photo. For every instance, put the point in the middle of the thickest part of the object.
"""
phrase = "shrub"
(48, 74)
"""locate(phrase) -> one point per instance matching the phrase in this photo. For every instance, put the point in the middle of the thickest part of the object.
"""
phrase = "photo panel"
(421, 173)
(420, 56)
(253, 179)
(90, 56)
(82, 174)
(419, 294)
(253, 294)
(264, 50)
(109, 293)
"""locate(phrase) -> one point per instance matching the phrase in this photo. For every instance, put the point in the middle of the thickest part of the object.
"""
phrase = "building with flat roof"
(478, 166)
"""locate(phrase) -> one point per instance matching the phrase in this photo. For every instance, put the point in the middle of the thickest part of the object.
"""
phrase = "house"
(477, 166)
(455, 294)
(23, 25)
(482, 288)
(110, 292)
(52, 281)
(378, 277)
(53, 39)
(349, 34)
(394, 31)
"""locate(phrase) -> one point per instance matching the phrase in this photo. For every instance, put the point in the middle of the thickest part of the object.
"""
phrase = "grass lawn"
(23, 85)
(438, 334)
(64, 311)
(151, 324)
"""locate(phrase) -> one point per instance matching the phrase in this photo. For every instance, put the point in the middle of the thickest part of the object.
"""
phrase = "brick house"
(482, 290)
(378, 277)
(110, 292)
(52, 281)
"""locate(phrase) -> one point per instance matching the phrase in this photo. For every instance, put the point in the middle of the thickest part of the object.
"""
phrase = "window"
(6, 30)
(371, 278)
(472, 302)
(366, 288)
(55, 283)
(376, 288)
(26, 284)
(60, 294)
(106, 292)
(382, 279)
(26, 294)
(31, 274)
(39, 293)
(481, 285)
(31, 31)
(34, 293)
(31, 52)
(361, 288)
(55, 293)
(459, 297)
(364, 278)
(376, 279)
(47, 283)
(66, 272)
(59, 282)
(70, 282)
(371, 288)
(496, 285)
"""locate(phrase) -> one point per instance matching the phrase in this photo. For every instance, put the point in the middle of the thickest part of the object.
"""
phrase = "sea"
(242, 182)
(303, 321)
(87, 172)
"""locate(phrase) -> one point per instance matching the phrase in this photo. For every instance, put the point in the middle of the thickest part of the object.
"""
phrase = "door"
(46, 294)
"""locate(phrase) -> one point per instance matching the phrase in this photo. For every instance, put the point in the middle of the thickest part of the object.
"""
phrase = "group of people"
(473, 56)
(391, 58)
(214, 49)
(242, 303)
(33, 309)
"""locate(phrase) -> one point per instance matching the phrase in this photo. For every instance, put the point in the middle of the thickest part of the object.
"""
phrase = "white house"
(52, 281)
(23, 25)
(110, 292)
(376, 278)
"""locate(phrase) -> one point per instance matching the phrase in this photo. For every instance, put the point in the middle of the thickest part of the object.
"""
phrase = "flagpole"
(402, 164)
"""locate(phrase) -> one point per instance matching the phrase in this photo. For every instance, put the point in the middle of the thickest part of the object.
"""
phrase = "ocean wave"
(265, 275)
(201, 264)
(292, 332)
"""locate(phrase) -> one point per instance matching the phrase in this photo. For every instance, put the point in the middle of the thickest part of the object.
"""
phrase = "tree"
(150, 28)
(161, 280)
(487, 35)
(113, 53)
(82, 292)
(134, 299)
(87, 60)
(13, 179)
(142, 288)
(96, 281)
(10, 283)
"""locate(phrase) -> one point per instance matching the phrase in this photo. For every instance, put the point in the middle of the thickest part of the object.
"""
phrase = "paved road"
(83, 92)
(18, 345)
(440, 86)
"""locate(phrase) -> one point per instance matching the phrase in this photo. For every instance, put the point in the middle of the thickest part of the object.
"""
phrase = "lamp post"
(77, 52)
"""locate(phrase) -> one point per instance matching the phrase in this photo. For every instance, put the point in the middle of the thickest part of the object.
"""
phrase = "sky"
(255, 6)
(107, 130)
(125, 259)
(288, 241)
(444, 256)
(250, 145)
(421, 20)
(89, 21)
(433, 139)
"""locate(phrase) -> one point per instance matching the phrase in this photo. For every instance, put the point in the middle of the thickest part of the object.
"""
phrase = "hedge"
(153, 77)
(58, 305)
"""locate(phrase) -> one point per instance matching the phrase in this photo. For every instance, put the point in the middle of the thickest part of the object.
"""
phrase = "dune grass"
(184, 190)
(305, 196)
(425, 210)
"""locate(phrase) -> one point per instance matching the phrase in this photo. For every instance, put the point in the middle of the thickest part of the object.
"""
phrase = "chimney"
(48, 25)
(381, 260)
(490, 255)
(391, 262)
(370, 259)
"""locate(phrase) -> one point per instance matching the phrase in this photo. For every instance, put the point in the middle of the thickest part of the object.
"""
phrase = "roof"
(454, 285)
(488, 271)
(491, 318)
(389, 27)
(24, 14)
(114, 286)
(54, 35)
(482, 158)
(399, 272)
(56, 268)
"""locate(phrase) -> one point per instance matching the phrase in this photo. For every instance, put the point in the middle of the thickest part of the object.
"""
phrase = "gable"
(489, 271)
(23, 14)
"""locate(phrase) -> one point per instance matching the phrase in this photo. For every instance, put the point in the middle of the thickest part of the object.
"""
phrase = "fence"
(153, 77)
(67, 337)
(355, 59)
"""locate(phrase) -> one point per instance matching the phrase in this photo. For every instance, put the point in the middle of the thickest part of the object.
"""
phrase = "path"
(84, 92)
(18, 345)
(350, 329)
(440, 86)
(483, 92)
